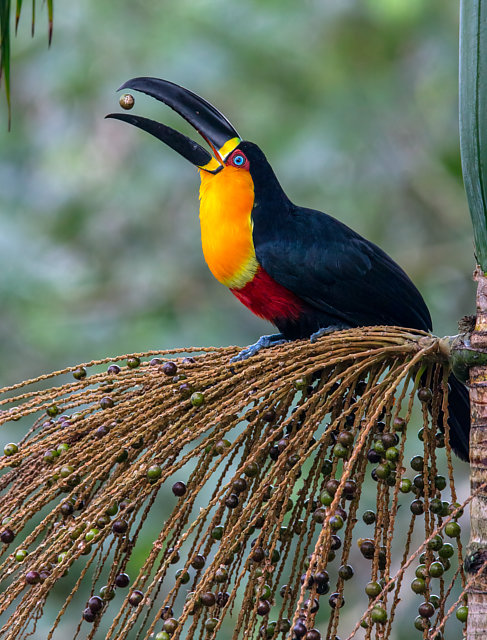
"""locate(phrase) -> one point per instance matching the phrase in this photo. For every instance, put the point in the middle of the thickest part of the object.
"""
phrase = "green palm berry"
(10, 449)
(133, 362)
(446, 551)
(79, 373)
(162, 635)
(392, 454)
(197, 399)
(435, 601)
(107, 593)
(405, 485)
(154, 472)
(52, 411)
(435, 543)
(217, 532)
(379, 447)
(418, 585)
(211, 624)
(453, 530)
(420, 623)
(462, 613)
(440, 482)
(340, 451)
(436, 569)
(61, 557)
(372, 589)
(21, 554)
(301, 383)
(436, 505)
(383, 470)
(453, 507)
(378, 615)
(91, 534)
(421, 571)
(112, 509)
(62, 448)
(66, 470)
(336, 522)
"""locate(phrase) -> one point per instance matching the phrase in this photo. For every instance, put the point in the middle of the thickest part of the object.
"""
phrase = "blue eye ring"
(238, 160)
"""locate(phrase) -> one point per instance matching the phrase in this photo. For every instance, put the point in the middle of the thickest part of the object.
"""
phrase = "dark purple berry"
(426, 610)
(334, 599)
(299, 629)
(198, 562)
(113, 369)
(222, 597)
(263, 607)
(122, 580)
(88, 615)
(95, 603)
(7, 536)
(208, 598)
(119, 526)
(32, 577)
(136, 597)
(179, 489)
(231, 501)
(169, 368)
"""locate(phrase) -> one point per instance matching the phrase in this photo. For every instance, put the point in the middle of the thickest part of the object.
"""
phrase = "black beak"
(208, 121)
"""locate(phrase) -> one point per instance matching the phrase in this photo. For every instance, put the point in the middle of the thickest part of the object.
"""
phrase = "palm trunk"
(473, 133)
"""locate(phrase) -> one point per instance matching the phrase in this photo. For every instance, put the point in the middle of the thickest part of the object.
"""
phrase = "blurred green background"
(353, 101)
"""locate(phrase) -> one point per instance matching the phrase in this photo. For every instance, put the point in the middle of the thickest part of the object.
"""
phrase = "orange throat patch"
(226, 201)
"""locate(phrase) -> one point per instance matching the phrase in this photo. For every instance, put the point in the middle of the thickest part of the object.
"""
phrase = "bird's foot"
(262, 343)
(325, 331)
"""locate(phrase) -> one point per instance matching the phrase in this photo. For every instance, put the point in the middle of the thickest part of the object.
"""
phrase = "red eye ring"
(238, 159)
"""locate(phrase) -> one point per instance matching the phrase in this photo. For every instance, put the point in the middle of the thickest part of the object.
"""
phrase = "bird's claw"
(262, 343)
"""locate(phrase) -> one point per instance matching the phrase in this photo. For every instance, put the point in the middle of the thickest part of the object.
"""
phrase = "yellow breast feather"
(226, 201)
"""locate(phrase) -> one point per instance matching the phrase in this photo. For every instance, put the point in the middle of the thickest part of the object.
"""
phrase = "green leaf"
(5, 50)
(18, 9)
(473, 117)
(50, 14)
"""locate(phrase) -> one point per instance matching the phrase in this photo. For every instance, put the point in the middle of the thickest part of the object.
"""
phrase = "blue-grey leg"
(262, 343)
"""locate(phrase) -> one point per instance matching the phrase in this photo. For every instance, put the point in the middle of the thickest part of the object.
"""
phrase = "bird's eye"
(238, 160)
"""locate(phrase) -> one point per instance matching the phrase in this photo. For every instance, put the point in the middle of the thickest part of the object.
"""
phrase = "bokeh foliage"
(355, 104)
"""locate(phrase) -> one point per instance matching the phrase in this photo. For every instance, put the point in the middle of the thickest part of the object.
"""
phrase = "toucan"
(301, 269)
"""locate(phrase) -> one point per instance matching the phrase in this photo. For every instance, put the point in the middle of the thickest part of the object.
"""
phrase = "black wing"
(341, 275)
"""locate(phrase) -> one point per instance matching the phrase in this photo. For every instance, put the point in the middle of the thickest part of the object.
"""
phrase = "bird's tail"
(459, 417)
